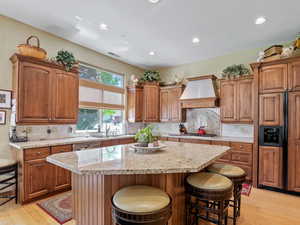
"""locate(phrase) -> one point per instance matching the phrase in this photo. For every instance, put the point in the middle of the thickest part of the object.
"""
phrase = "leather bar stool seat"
(238, 176)
(8, 179)
(208, 196)
(140, 204)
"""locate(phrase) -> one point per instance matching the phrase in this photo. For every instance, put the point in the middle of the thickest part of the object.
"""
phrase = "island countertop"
(117, 160)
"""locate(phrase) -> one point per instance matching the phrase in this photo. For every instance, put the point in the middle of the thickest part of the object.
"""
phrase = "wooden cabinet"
(134, 104)
(273, 78)
(294, 76)
(227, 157)
(195, 141)
(64, 97)
(294, 142)
(62, 177)
(271, 109)
(151, 103)
(45, 93)
(37, 179)
(237, 100)
(170, 108)
(113, 142)
(270, 166)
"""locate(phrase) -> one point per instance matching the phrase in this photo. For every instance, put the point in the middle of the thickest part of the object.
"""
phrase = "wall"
(13, 33)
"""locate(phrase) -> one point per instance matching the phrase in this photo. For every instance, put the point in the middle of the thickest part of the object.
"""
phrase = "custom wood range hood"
(200, 92)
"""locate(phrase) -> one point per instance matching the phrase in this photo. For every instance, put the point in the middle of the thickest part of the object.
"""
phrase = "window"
(101, 76)
(101, 97)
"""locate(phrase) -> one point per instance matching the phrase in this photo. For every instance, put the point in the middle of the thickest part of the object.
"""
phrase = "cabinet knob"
(39, 153)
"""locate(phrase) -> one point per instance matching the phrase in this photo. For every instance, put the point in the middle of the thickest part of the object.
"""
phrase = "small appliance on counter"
(201, 131)
(13, 137)
(182, 129)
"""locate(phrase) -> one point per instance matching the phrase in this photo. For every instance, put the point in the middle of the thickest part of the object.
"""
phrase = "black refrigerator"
(279, 141)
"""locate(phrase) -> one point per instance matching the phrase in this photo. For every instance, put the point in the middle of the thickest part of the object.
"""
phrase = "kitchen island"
(98, 173)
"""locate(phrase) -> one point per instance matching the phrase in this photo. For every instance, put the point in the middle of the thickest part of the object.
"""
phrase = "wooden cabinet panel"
(126, 141)
(163, 138)
(37, 178)
(271, 109)
(173, 139)
(294, 76)
(134, 104)
(151, 103)
(228, 101)
(164, 105)
(34, 94)
(65, 88)
(294, 142)
(222, 143)
(241, 146)
(36, 153)
(195, 141)
(273, 78)
(245, 101)
(270, 166)
(241, 157)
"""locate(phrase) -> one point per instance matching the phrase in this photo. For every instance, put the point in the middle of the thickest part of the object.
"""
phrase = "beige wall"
(211, 66)
(13, 33)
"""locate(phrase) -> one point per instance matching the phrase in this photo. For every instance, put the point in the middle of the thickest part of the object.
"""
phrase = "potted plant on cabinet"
(144, 136)
(235, 71)
(66, 59)
(150, 76)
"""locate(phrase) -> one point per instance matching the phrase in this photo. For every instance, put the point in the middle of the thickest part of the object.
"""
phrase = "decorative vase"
(297, 43)
(143, 144)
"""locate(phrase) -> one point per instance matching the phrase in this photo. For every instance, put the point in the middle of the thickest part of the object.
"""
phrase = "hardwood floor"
(261, 208)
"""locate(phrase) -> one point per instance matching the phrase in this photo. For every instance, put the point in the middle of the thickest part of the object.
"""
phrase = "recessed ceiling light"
(260, 20)
(78, 18)
(103, 26)
(152, 53)
(154, 1)
(196, 40)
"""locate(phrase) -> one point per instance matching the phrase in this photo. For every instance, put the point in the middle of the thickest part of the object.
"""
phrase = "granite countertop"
(175, 158)
(63, 141)
(216, 138)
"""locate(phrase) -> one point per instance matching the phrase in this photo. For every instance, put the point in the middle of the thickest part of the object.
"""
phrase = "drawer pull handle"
(39, 153)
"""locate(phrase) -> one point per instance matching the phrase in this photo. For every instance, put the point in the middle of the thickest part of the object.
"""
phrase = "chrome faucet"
(107, 129)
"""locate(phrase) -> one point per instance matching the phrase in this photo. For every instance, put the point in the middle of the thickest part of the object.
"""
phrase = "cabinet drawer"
(247, 169)
(60, 149)
(241, 157)
(226, 157)
(223, 143)
(239, 146)
(173, 139)
(109, 143)
(36, 153)
(126, 141)
(195, 141)
(163, 138)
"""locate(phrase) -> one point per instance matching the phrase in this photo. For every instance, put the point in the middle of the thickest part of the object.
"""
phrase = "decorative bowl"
(147, 150)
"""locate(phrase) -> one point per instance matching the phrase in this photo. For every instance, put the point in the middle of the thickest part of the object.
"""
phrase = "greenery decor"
(65, 58)
(150, 76)
(145, 136)
(235, 71)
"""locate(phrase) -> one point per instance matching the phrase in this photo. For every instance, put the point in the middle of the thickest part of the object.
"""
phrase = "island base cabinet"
(92, 195)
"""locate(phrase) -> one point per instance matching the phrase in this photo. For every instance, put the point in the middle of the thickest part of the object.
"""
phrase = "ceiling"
(136, 27)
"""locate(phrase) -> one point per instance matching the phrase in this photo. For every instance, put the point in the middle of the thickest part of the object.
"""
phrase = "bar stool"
(208, 196)
(141, 205)
(8, 178)
(238, 176)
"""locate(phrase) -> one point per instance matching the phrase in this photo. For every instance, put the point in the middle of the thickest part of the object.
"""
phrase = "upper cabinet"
(294, 75)
(45, 93)
(135, 104)
(237, 100)
(151, 102)
(170, 107)
(273, 78)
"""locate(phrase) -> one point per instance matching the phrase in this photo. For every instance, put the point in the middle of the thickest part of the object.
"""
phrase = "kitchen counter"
(121, 159)
(217, 138)
(98, 173)
(63, 141)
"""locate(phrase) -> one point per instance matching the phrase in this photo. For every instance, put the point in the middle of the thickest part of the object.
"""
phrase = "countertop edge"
(217, 138)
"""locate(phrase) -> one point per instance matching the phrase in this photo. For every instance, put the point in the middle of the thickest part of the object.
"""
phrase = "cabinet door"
(245, 100)
(294, 76)
(229, 101)
(62, 177)
(273, 78)
(151, 103)
(37, 178)
(65, 88)
(34, 94)
(134, 104)
(271, 109)
(270, 166)
(227, 156)
(294, 142)
(165, 105)
(177, 114)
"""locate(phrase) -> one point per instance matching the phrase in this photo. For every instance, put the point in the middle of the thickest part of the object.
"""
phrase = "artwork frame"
(5, 99)
(2, 117)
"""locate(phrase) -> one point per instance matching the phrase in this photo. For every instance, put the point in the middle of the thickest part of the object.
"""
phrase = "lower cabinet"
(270, 166)
(113, 142)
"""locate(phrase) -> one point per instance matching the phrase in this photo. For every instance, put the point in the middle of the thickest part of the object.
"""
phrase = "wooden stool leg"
(17, 184)
(221, 213)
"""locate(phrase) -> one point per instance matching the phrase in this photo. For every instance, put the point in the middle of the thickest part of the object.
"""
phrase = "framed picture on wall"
(5, 99)
(2, 117)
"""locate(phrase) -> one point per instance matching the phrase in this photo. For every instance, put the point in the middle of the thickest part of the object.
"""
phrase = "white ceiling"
(137, 27)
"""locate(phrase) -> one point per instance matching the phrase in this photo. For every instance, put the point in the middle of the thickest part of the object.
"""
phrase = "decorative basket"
(147, 150)
(273, 50)
(33, 51)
